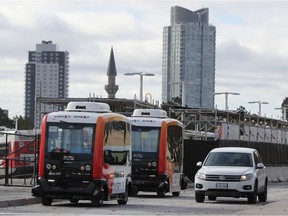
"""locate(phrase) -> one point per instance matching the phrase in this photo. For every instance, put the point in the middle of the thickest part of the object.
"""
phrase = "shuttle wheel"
(132, 191)
(97, 201)
(161, 193)
(177, 193)
(125, 199)
(46, 201)
(74, 201)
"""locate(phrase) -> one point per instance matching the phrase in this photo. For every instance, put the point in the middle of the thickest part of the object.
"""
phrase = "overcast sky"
(251, 47)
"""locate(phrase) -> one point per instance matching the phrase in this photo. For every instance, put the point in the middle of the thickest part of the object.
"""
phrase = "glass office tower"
(188, 60)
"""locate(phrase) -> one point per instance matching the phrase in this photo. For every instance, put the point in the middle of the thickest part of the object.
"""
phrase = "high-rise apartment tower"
(46, 75)
(188, 61)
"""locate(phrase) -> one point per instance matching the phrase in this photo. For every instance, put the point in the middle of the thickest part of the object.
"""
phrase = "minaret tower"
(111, 88)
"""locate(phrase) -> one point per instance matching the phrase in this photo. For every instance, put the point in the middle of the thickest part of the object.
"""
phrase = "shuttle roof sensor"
(88, 107)
(156, 113)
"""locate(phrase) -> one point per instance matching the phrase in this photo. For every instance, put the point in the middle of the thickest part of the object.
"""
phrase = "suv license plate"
(221, 186)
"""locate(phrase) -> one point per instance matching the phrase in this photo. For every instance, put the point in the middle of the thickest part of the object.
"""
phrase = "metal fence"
(18, 159)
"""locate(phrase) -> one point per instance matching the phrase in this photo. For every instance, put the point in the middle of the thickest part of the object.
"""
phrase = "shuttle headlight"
(48, 166)
(54, 167)
(82, 168)
(153, 164)
(88, 167)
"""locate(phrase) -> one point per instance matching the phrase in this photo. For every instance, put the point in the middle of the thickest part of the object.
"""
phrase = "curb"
(20, 202)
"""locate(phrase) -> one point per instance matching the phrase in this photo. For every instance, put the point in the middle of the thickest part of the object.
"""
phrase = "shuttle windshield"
(145, 139)
(66, 137)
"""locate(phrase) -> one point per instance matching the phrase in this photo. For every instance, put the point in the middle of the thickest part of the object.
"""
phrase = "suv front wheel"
(252, 197)
(199, 197)
(262, 197)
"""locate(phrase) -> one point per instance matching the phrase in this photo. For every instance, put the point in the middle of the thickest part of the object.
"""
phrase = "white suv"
(231, 172)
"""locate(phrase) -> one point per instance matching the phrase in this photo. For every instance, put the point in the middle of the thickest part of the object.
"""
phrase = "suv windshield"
(229, 159)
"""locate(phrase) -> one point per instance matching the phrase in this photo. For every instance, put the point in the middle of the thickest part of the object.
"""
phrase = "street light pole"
(226, 97)
(260, 103)
(284, 110)
(141, 74)
(141, 87)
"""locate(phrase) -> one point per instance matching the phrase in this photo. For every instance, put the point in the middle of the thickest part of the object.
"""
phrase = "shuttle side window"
(116, 142)
(175, 140)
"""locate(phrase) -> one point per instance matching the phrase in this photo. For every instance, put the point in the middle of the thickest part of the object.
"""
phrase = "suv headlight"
(246, 177)
(201, 176)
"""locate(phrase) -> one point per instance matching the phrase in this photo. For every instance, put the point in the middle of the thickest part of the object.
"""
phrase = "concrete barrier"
(272, 174)
(277, 174)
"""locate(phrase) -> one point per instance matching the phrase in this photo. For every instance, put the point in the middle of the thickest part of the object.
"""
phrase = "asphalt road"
(149, 204)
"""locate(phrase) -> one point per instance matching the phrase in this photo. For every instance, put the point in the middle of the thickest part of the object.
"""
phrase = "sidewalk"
(16, 196)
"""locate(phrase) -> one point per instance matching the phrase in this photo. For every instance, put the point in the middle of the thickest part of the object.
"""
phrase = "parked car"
(231, 172)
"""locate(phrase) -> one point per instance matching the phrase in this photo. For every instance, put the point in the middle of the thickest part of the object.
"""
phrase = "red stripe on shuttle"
(42, 147)
(98, 149)
(162, 149)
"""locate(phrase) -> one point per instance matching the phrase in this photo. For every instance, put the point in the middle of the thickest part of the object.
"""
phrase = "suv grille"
(224, 178)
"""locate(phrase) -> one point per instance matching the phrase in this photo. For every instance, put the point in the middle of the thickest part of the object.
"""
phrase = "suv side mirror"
(199, 164)
(260, 166)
